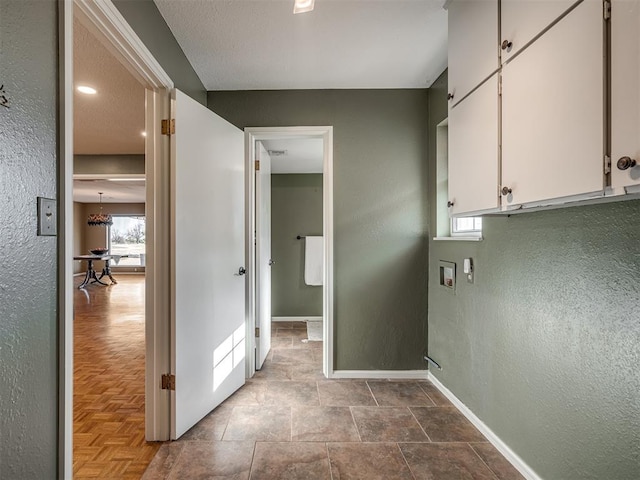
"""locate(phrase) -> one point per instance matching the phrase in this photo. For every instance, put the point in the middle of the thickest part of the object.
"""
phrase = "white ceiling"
(300, 155)
(130, 190)
(260, 44)
(112, 121)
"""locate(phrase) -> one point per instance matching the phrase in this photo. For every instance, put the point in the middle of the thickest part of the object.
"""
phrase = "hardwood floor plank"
(109, 375)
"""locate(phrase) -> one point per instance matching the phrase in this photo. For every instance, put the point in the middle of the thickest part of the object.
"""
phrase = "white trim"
(296, 319)
(381, 374)
(123, 42)
(459, 239)
(253, 134)
(502, 447)
(108, 176)
(65, 242)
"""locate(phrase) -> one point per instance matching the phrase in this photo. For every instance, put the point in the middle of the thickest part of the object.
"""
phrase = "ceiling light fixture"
(87, 90)
(100, 219)
(302, 6)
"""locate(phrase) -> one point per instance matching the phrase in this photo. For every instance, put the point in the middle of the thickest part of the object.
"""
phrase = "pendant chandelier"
(100, 219)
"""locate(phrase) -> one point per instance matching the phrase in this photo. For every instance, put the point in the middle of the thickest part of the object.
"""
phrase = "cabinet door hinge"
(257, 165)
(607, 9)
(257, 331)
(168, 127)
(168, 382)
(607, 164)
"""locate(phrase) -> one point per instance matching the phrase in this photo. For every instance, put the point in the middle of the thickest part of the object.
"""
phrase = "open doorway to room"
(290, 289)
(109, 248)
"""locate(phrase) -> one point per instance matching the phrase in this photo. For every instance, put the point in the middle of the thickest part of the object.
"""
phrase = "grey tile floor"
(289, 422)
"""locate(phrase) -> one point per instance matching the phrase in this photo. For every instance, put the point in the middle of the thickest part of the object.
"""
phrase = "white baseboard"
(296, 319)
(383, 374)
(502, 447)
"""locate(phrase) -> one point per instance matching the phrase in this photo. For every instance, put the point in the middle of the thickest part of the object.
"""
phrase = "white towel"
(313, 260)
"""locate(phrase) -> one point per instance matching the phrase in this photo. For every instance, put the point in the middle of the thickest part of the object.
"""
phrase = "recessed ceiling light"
(87, 90)
(144, 134)
(302, 6)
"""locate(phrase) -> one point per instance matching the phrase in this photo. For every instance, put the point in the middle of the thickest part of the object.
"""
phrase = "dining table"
(90, 275)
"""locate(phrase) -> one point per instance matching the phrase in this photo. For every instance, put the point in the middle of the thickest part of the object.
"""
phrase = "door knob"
(449, 96)
(626, 162)
(241, 271)
(506, 191)
(506, 45)
(271, 262)
(450, 204)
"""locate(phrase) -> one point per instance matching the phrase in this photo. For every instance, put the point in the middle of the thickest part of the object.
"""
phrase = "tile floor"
(289, 422)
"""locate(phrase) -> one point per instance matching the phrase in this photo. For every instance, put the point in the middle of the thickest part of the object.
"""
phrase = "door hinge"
(168, 382)
(499, 85)
(257, 165)
(607, 164)
(168, 127)
(607, 9)
(257, 332)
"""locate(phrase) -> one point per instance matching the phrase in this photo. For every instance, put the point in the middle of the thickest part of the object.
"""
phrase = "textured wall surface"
(380, 212)
(544, 346)
(28, 297)
(149, 25)
(296, 209)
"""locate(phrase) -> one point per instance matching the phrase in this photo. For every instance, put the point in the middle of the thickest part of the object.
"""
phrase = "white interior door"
(263, 254)
(208, 285)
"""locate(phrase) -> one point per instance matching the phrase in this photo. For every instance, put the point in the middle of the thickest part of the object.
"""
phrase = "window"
(447, 228)
(466, 226)
(127, 238)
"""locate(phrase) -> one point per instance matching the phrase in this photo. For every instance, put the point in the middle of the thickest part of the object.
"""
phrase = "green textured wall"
(28, 273)
(380, 212)
(296, 209)
(544, 346)
(145, 19)
(108, 164)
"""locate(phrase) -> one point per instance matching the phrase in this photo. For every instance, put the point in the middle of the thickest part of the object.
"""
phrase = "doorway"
(109, 262)
(104, 21)
(269, 144)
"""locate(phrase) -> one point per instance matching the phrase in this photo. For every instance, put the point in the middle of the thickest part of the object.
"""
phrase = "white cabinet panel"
(473, 151)
(522, 20)
(625, 91)
(552, 112)
(473, 44)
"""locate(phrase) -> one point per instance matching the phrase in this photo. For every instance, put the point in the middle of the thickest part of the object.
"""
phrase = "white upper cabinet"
(553, 112)
(473, 151)
(523, 20)
(625, 93)
(473, 45)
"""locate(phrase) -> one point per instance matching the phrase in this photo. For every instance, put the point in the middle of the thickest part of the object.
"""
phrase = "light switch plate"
(467, 268)
(47, 217)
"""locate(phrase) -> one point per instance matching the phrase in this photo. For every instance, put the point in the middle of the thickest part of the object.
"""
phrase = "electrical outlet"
(47, 217)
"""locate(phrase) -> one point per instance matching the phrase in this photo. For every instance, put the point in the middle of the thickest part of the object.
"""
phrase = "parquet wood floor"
(108, 395)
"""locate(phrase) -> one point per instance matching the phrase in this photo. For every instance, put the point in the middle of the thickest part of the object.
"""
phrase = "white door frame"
(102, 18)
(252, 135)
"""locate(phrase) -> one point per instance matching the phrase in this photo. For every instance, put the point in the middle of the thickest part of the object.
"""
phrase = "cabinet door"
(625, 92)
(473, 151)
(522, 20)
(552, 112)
(473, 44)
